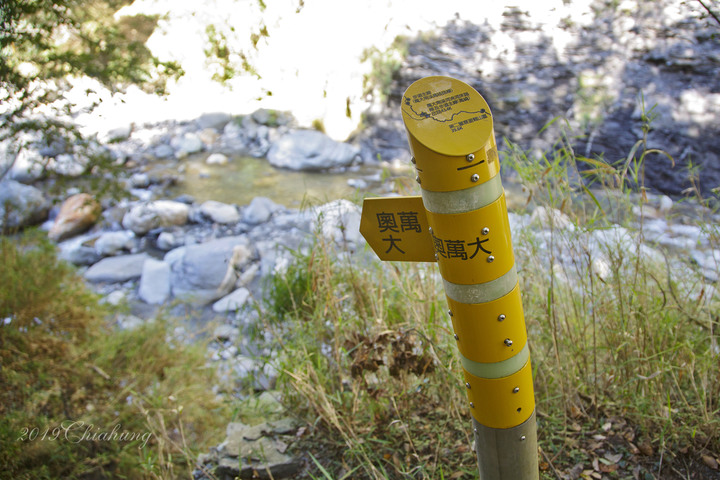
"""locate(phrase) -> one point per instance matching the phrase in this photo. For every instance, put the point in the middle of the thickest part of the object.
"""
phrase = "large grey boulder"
(21, 205)
(117, 269)
(310, 150)
(208, 271)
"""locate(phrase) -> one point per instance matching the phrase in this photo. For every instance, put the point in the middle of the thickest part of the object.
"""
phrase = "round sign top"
(447, 116)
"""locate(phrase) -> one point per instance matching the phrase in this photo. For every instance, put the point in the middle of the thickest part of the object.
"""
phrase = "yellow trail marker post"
(461, 222)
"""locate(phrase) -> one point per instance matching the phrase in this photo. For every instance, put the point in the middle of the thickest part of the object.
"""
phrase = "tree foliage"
(46, 44)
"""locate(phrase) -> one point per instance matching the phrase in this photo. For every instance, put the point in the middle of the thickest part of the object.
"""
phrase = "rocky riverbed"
(156, 250)
(209, 262)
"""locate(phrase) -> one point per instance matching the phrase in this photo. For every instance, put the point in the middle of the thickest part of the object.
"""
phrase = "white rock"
(544, 216)
(216, 159)
(215, 120)
(115, 297)
(161, 213)
(79, 250)
(339, 221)
(168, 241)
(601, 268)
(113, 243)
(140, 180)
(232, 302)
(220, 212)
(129, 322)
(187, 144)
(666, 204)
(27, 166)
(358, 183)
(26, 205)
(67, 164)
(117, 134)
(154, 282)
(259, 210)
(248, 275)
(163, 151)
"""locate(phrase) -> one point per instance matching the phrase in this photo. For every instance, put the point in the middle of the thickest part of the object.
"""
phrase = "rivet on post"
(485, 231)
(522, 438)
(467, 385)
(516, 389)
(456, 337)
(417, 179)
(472, 405)
(501, 317)
(508, 342)
(490, 259)
(470, 157)
(475, 178)
(450, 313)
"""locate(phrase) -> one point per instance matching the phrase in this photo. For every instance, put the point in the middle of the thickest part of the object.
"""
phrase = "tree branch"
(712, 14)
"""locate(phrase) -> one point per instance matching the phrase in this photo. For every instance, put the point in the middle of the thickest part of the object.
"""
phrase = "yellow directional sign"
(465, 229)
(397, 229)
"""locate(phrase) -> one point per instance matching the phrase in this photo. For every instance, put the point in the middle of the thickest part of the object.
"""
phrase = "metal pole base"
(507, 453)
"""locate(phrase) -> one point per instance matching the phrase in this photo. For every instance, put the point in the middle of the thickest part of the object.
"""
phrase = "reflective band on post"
(473, 247)
(481, 335)
(497, 404)
(482, 292)
(462, 201)
(497, 369)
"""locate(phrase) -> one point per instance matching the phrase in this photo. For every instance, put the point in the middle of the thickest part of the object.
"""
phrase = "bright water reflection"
(244, 178)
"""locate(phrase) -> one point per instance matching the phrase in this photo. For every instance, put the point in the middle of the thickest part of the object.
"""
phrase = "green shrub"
(68, 377)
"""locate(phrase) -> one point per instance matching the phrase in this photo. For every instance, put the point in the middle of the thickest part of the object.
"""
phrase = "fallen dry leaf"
(613, 458)
(646, 449)
(710, 462)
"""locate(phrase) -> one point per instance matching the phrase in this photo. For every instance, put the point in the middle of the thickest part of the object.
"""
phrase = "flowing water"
(244, 178)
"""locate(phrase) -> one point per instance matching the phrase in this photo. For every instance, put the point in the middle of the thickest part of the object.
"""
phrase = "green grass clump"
(366, 356)
(623, 337)
(619, 328)
(70, 381)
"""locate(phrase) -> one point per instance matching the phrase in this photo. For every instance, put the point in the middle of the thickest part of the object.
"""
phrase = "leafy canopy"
(44, 44)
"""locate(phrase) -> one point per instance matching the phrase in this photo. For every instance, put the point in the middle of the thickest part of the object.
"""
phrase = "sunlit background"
(310, 58)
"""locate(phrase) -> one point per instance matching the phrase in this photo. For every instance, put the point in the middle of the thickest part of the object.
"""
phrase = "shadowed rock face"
(661, 54)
